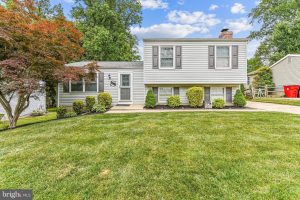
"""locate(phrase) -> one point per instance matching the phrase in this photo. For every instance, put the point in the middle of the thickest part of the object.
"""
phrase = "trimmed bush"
(90, 102)
(78, 107)
(105, 99)
(150, 101)
(99, 108)
(239, 99)
(61, 112)
(195, 96)
(218, 103)
(173, 101)
(70, 114)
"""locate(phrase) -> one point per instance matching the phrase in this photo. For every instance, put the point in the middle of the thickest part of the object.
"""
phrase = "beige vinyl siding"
(287, 73)
(195, 65)
(137, 86)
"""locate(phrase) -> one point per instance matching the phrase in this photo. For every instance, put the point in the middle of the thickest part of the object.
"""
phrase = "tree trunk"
(12, 122)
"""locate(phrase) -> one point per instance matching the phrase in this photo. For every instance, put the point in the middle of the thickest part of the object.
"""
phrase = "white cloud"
(197, 18)
(238, 25)
(69, 1)
(166, 30)
(238, 8)
(181, 24)
(213, 7)
(180, 2)
(252, 46)
(257, 2)
(154, 4)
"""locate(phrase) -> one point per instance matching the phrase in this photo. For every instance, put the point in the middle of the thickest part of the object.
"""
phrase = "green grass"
(218, 155)
(282, 101)
(30, 120)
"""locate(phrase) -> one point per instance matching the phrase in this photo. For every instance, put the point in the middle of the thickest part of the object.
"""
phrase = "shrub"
(78, 107)
(243, 88)
(70, 114)
(105, 99)
(195, 96)
(99, 108)
(173, 101)
(60, 112)
(150, 101)
(218, 103)
(239, 99)
(90, 102)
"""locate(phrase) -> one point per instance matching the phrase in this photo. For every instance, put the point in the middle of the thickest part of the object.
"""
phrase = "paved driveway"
(274, 107)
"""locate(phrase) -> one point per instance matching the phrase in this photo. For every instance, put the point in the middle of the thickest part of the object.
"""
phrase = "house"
(250, 77)
(170, 67)
(287, 70)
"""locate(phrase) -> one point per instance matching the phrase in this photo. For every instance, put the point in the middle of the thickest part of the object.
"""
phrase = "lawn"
(215, 155)
(283, 101)
(30, 120)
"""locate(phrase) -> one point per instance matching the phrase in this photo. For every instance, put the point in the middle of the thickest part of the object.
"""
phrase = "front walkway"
(271, 107)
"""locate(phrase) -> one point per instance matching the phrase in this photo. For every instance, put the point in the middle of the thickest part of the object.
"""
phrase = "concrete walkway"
(271, 107)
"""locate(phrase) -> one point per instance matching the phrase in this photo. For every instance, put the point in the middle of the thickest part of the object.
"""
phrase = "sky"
(190, 19)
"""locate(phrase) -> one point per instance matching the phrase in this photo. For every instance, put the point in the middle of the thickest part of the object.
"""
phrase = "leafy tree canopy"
(254, 64)
(279, 20)
(263, 77)
(106, 27)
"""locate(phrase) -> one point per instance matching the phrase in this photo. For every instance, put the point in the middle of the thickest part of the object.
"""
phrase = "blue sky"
(191, 18)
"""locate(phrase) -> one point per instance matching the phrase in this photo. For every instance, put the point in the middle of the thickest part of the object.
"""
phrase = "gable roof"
(109, 64)
(285, 57)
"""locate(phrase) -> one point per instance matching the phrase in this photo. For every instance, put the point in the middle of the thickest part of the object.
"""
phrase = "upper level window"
(223, 57)
(166, 57)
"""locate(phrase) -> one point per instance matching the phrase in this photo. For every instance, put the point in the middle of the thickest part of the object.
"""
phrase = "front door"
(125, 87)
(228, 94)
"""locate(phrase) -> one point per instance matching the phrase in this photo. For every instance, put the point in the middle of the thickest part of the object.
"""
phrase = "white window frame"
(83, 86)
(230, 57)
(159, 101)
(159, 57)
(131, 88)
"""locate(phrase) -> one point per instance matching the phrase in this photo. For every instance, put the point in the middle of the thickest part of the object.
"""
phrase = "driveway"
(274, 107)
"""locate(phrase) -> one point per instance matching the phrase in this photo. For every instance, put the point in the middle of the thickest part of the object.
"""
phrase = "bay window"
(166, 57)
(222, 57)
(91, 85)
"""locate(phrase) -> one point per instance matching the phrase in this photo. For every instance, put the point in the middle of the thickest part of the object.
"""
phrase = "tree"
(45, 10)
(273, 15)
(106, 27)
(263, 77)
(254, 64)
(33, 49)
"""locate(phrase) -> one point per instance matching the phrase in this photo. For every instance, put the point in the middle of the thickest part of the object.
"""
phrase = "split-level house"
(170, 67)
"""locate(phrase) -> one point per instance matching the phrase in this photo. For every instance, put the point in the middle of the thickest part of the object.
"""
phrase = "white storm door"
(125, 87)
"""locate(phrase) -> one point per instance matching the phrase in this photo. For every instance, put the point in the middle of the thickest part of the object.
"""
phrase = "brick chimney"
(226, 34)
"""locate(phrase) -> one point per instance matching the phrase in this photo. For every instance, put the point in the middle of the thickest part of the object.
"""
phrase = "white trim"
(83, 85)
(289, 55)
(97, 79)
(70, 86)
(230, 57)
(174, 54)
(58, 88)
(131, 88)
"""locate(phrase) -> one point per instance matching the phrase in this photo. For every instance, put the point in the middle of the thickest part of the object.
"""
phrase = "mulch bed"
(186, 107)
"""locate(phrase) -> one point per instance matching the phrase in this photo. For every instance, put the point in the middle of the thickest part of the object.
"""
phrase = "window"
(223, 57)
(91, 85)
(66, 87)
(176, 90)
(166, 57)
(216, 93)
(164, 93)
(77, 86)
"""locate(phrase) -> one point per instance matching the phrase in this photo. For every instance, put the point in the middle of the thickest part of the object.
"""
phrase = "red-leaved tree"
(32, 49)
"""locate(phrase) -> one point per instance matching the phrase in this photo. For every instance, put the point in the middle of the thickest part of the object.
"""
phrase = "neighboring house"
(251, 76)
(36, 103)
(170, 67)
(287, 71)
